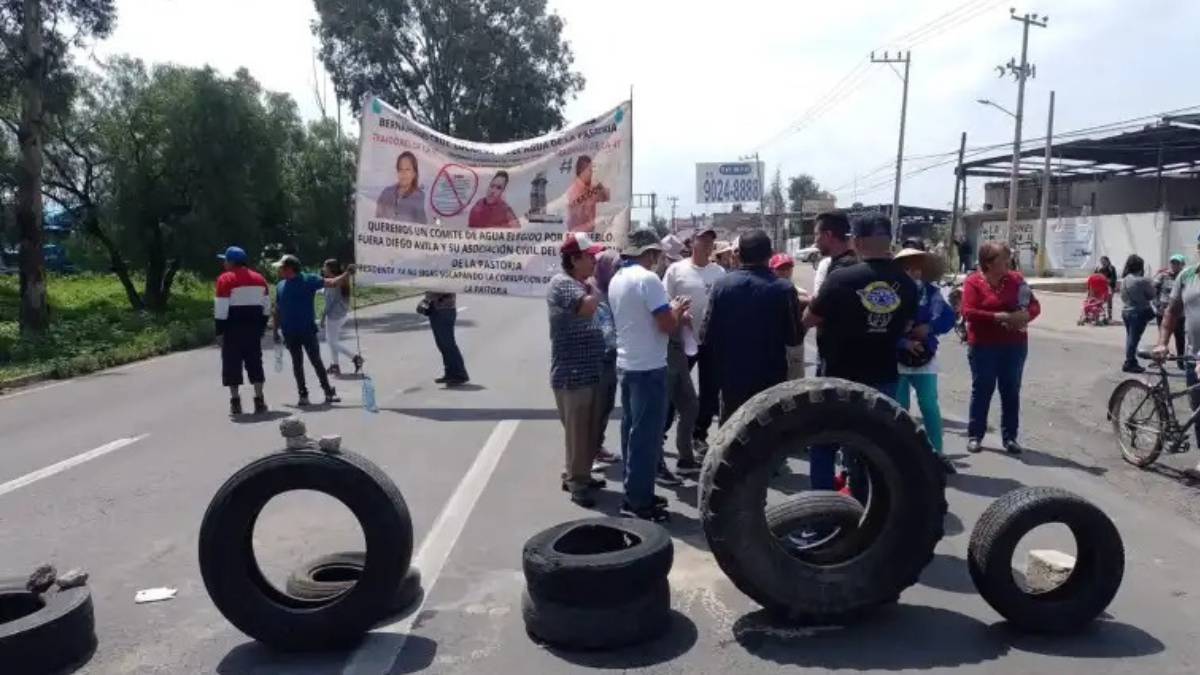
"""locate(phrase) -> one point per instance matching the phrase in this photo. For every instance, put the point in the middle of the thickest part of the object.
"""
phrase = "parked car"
(808, 255)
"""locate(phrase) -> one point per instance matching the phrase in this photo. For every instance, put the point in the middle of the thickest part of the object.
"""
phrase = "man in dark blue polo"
(752, 319)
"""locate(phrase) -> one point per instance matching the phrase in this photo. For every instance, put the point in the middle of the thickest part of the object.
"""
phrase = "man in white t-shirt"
(644, 316)
(692, 278)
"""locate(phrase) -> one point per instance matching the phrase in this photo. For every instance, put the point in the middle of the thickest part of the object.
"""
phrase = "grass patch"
(92, 327)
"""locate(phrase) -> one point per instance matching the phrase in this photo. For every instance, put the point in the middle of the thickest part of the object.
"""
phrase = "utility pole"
(1019, 73)
(1041, 252)
(906, 60)
(673, 200)
(958, 176)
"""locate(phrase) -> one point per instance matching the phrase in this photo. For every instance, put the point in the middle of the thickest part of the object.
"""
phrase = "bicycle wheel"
(1138, 420)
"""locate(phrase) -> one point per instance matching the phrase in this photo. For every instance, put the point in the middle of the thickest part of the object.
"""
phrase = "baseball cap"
(287, 260)
(233, 254)
(705, 229)
(578, 242)
(781, 260)
(1179, 259)
(874, 225)
(672, 247)
(641, 240)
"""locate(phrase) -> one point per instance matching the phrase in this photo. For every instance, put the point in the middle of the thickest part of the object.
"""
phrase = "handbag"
(424, 306)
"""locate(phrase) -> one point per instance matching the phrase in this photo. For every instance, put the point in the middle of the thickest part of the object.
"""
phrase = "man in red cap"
(783, 265)
(577, 351)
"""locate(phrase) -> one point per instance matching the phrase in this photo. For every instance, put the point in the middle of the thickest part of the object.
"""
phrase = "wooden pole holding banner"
(629, 215)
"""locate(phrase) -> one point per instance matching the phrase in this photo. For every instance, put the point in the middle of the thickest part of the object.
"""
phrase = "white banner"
(454, 215)
(725, 182)
(1071, 244)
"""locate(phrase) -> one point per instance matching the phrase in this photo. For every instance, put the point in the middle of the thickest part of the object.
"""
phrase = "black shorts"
(242, 348)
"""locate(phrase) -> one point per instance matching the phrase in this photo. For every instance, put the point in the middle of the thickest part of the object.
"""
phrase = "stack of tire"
(597, 583)
(1092, 583)
(46, 622)
(324, 618)
(872, 563)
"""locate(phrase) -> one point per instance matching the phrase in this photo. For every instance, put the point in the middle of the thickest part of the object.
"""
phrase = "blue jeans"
(992, 367)
(643, 414)
(1135, 325)
(1193, 396)
(442, 322)
(821, 460)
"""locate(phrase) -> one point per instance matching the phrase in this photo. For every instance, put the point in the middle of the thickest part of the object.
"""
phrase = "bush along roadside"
(93, 328)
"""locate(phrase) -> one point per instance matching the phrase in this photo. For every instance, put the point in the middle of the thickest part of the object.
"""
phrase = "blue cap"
(234, 254)
(871, 225)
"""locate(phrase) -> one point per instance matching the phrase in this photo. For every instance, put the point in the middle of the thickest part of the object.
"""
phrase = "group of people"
(626, 321)
(243, 309)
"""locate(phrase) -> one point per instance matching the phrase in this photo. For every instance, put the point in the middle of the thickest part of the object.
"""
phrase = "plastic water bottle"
(1024, 295)
(368, 395)
(278, 357)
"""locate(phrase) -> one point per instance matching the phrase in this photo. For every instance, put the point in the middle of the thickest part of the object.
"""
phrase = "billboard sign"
(728, 182)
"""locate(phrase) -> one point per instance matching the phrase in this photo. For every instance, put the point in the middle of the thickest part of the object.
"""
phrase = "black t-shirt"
(866, 308)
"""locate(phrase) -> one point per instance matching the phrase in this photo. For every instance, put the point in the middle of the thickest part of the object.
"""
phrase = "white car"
(808, 255)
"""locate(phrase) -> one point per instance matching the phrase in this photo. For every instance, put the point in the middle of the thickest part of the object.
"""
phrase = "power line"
(855, 78)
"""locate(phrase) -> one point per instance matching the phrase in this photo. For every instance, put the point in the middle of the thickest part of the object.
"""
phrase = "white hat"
(672, 247)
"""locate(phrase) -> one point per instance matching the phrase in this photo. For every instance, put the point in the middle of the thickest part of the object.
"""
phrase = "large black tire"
(1138, 421)
(44, 633)
(822, 508)
(597, 561)
(898, 532)
(251, 603)
(328, 576)
(1099, 563)
(639, 619)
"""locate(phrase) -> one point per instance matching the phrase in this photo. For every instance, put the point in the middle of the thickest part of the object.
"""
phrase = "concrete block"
(1046, 569)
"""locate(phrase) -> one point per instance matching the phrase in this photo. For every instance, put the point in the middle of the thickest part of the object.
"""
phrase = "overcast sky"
(714, 79)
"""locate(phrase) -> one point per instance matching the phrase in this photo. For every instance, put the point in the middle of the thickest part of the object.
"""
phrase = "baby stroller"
(1095, 305)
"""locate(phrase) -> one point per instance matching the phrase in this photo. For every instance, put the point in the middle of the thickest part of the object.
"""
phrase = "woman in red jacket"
(998, 305)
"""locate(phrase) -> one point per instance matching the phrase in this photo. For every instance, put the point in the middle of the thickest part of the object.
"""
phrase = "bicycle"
(1151, 427)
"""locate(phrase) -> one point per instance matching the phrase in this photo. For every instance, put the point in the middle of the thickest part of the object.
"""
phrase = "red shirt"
(499, 214)
(980, 303)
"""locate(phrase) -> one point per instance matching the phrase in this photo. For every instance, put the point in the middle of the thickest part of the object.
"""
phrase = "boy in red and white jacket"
(241, 310)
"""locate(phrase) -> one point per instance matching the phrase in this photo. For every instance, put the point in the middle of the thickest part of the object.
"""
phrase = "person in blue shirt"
(753, 317)
(296, 317)
(917, 351)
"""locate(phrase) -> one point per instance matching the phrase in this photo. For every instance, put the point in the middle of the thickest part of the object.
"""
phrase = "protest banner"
(459, 216)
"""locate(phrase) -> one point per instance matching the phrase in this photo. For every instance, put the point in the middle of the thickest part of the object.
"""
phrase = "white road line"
(376, 656)
(35, 476)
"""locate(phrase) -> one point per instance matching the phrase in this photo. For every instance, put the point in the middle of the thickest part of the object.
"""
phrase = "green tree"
(34, 37)
(487, 70)
(319, 181)
(802, 187)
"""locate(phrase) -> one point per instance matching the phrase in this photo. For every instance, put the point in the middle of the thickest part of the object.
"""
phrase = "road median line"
(376, 655)
(59, 467)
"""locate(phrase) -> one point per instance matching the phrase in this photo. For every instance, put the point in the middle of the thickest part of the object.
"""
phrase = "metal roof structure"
(1172, 146)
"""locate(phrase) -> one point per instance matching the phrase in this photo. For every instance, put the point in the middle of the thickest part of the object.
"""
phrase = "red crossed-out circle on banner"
(450, 194)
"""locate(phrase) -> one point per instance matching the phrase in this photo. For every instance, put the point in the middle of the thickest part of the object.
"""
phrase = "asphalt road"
(113, 472)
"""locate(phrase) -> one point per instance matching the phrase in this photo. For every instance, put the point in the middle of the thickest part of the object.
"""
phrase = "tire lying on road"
(582, 627)
(250, 602)
(328, 576)
(597, 583)
(45, 632)
(834, 512)
(898, 531)
(597, 561)
(1092, 584)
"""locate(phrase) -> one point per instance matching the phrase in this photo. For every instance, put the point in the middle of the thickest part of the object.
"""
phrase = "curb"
(34, 378)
